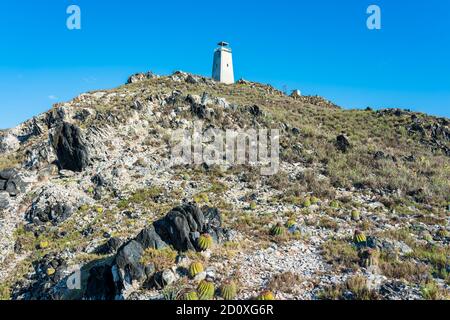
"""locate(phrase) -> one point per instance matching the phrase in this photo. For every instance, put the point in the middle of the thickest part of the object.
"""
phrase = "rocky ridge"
(87, 188)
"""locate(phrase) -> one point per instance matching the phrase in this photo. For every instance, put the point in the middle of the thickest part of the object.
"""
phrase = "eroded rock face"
(71, 148)
(178, 227)
(54, 204)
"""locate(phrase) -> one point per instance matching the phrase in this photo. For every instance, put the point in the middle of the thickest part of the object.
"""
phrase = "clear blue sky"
(321, 47)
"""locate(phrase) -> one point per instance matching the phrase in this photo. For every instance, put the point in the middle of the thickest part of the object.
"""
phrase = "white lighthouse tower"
(223, 64)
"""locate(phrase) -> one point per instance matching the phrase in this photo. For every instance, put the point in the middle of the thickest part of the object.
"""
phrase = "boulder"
(100, 284)
(71, 149)
(148, 238)
(128, 262)
(15, 185)
(111, 246)
(342, 143)
(178, 225)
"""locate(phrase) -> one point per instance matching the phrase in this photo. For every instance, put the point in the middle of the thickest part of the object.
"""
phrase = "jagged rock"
(128, 262)
(199, 110)
(12, 182)
(255, 111)
(148, 238)
(9, 143)
(342, 143)
(7, 174)
(4, 201)
(138, 77)
(176, 227)
(70, 147)
(111, 246)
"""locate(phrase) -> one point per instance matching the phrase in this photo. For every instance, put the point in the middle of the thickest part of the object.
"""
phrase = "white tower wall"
(223, 65)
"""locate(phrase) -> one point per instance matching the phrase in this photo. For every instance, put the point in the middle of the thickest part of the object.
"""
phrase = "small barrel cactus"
(228, 290)
(355, 215)
(43, 244)
(190, 295)
(314, 200)
(359, 237)
(195, 268)
(334, 204)
(442, 233)
(206, 290)
(278, 230)
(290, 223)
(266, 295)
(205, 242)
(306, 203)
(51, 271)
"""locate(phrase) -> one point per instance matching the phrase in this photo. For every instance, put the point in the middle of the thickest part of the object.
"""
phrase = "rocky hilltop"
(90, 208)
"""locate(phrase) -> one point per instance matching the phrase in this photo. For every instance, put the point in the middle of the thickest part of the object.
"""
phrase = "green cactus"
(355, 215)
(51, 271)
(334, 204)
(278, 230)
(228, 290)
(359, 237)
(306, 203)
(314, 200)
(442, 233)
(205, 242)
(190, 295)
(206, 290)
(44, 244)
(195, 268)
(253, 205)
(266, 295)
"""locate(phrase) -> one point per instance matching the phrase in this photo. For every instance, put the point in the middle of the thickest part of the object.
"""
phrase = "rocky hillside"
(90, 208)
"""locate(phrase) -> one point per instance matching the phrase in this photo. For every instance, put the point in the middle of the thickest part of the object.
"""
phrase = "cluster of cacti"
(195, 268)
(190, 295)
(359, 237)
(314, 200)
(205, 242)
(228, 290)
(206, 290)
(266, 295)
(369, 257)
(278, 230)
(355, 215)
